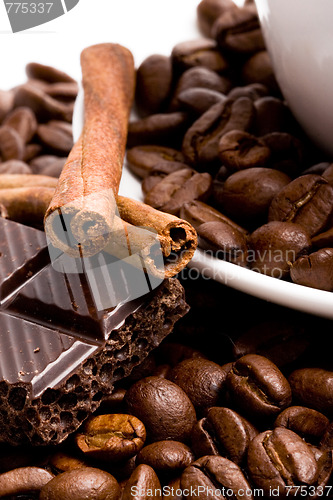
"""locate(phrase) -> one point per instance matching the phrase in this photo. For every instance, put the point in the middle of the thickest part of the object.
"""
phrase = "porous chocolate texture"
(53, 371)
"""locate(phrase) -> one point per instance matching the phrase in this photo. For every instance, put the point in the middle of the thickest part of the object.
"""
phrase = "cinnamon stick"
(9, 181)
(25, 204)
(80, 217)
(178, 239)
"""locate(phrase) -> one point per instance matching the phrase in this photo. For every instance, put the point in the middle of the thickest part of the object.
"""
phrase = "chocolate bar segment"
(23, 252)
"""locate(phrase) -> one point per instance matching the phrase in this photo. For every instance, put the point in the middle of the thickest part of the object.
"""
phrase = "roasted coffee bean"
(163, 407)
(280, 459)
(178, 188)
(162, 371)
(224, 241)
(307, 423)
(253, 91)
(202, 380)
(63, 462)
(199, 52)
(287, 152)
(223, 432)
(173, 490)
(166, 129)
(63, 91)
(280, 341)
(197, 100)
(41, 163)
(166, 456)
(200, 77)
(313, 387)
(272, 115)
(239, 150)
(323, 240)
(315, 270)
(197, 213)
(328, 174)
(327, 441)
(258, 69)
(153, 84)
(238, 31)
(141, 159)
(6, 103)
(307, 200)
(14, 167)
(56, 136)
(142, 485)
(23, 121)
(208, 11)
(258, 387)
(112, 437)
(318, 168)
(47, 73)
(246, 195)
(23, 480)
(44, 106)
(144, 369)
(275, 246)
(114, 403)
(31, 151)
(158, 172)
(200, 145)
(209, 474)
(11, 144)
(81, 484)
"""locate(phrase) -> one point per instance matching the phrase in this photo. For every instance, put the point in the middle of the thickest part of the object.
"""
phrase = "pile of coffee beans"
(35, 122)
(230, 406)
(216, 144)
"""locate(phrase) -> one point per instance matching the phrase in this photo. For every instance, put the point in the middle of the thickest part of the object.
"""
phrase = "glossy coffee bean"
(280, 458)
(327, 440)
(158, 172)
(6, 103)
(202, 380)
(282, 342)
(199, 77)
(246, 195)
(166, 456)
(142, 483)
(307, 423)
(211, 473)
(201, 141)
(57, 136)
(23, 480)
(258, 69)
(63, 462)
(239, 150)
(223, 432)
(328, 174)
(208, 11)
(153, 84)
(14, 167)
(47, 73)
(272, 115)
(199, 52)
(199, 100)
(197, 213)
(313, 387)
(307, 200)
(314, 270)
(112, 437)
(163, 407)
(253, 91)
(81, 484)
(177, 188)
(323, 240)
(224, 241)
(258, 387)
(287, 152)
(238, 30)
(141, 159)
(275, 246)
(11, 144)
(22, 120)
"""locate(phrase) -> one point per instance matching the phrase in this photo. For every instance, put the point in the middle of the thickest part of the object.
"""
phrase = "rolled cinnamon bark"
(9, 181)
(178, 239)
(25, 204)
(80, 217)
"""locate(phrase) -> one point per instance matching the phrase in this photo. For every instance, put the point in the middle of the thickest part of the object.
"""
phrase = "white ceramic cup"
(299, 38)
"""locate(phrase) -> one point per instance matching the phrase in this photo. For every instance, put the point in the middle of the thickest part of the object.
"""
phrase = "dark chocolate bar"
(59, 354)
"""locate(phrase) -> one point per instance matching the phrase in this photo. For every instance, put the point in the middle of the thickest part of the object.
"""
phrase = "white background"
(144, 26)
